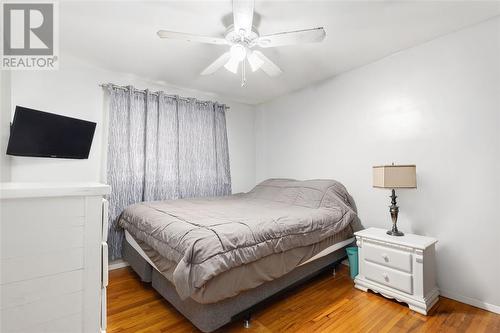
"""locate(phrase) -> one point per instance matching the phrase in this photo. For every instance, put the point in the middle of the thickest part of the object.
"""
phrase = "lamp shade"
(395, 176)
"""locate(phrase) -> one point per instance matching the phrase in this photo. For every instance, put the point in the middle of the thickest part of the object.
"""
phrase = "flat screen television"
(43, 134)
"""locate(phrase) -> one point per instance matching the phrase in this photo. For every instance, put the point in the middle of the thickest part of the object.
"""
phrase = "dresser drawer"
(387, 257)
(389, 277)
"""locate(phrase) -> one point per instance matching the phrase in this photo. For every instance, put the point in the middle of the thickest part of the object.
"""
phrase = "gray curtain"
(162, 147)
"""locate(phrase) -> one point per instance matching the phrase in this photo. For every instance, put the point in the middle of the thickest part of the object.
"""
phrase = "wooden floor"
(325, 304)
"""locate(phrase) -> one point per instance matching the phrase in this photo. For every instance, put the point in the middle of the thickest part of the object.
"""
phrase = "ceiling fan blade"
(191, 37)
(269, 67)
(243, 15)
(232, 65)
(293, 37)
(218, 63)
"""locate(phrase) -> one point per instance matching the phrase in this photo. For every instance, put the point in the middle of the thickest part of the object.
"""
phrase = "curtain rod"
(126, 88)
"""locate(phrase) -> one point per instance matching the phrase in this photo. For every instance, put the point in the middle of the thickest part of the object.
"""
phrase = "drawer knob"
(385, 276)
(385, 257)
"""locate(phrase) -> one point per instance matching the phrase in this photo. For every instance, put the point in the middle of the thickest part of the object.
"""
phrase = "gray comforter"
(209, 236)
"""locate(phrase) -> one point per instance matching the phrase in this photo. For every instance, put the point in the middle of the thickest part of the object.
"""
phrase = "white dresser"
(399, 267)
(53, 257)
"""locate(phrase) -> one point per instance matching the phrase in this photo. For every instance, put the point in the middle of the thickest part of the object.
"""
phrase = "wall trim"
(471, 301)
(115, 264)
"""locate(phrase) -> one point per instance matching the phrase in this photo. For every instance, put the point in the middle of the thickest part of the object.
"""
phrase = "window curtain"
(162, 147)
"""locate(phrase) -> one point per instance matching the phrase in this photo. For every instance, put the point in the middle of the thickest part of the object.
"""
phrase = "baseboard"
(463, 299)
(115, 264)
(471, 301)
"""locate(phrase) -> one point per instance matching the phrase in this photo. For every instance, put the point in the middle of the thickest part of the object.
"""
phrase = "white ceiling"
(121, 36)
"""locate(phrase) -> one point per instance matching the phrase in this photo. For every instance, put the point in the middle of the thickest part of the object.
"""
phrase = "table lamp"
(392, 177)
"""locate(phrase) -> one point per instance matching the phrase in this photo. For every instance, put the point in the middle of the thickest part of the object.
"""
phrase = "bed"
(215, 259)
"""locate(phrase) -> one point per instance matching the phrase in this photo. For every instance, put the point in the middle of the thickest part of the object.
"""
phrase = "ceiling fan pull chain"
(243, 73)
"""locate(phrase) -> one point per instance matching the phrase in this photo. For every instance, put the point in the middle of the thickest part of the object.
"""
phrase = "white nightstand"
(398, 267)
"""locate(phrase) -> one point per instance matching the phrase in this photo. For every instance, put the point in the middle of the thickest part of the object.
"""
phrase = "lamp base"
(394, 210)
(395, 233)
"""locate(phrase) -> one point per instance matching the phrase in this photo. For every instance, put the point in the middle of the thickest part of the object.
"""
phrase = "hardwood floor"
(324, 304)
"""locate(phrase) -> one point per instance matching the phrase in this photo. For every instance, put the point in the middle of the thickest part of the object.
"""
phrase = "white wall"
(436, 105)
(4, 124)
(74, 91)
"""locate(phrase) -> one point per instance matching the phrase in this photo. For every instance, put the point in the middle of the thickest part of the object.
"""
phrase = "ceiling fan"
(243, 37)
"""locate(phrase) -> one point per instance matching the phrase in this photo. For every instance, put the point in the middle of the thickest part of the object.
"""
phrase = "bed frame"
(209, 317)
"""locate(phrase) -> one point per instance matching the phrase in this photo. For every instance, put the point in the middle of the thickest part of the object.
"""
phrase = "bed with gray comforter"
(212, 249)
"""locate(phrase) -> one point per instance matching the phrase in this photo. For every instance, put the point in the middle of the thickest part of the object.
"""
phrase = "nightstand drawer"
(388, 277)
(388, 257)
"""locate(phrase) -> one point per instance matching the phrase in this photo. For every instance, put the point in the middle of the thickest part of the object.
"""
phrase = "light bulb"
(238, 52)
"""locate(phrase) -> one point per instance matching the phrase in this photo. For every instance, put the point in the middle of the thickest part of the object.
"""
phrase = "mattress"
(328, 250)
(133, 243)
(245, 277)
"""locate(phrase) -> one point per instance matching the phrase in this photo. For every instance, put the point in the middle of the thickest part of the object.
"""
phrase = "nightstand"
(399, 267)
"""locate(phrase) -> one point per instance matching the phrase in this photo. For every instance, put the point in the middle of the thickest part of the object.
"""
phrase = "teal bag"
(352, 255)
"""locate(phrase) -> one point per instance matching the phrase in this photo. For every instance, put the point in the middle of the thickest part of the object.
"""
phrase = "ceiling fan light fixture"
(254, 61)
(238, 52)
(232, 65)
(241, 37)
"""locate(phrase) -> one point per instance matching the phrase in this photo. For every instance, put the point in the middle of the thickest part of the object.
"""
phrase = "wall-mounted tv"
(43, 134)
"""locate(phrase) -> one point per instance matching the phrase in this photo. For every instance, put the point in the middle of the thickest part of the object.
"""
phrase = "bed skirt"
(209, 317)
